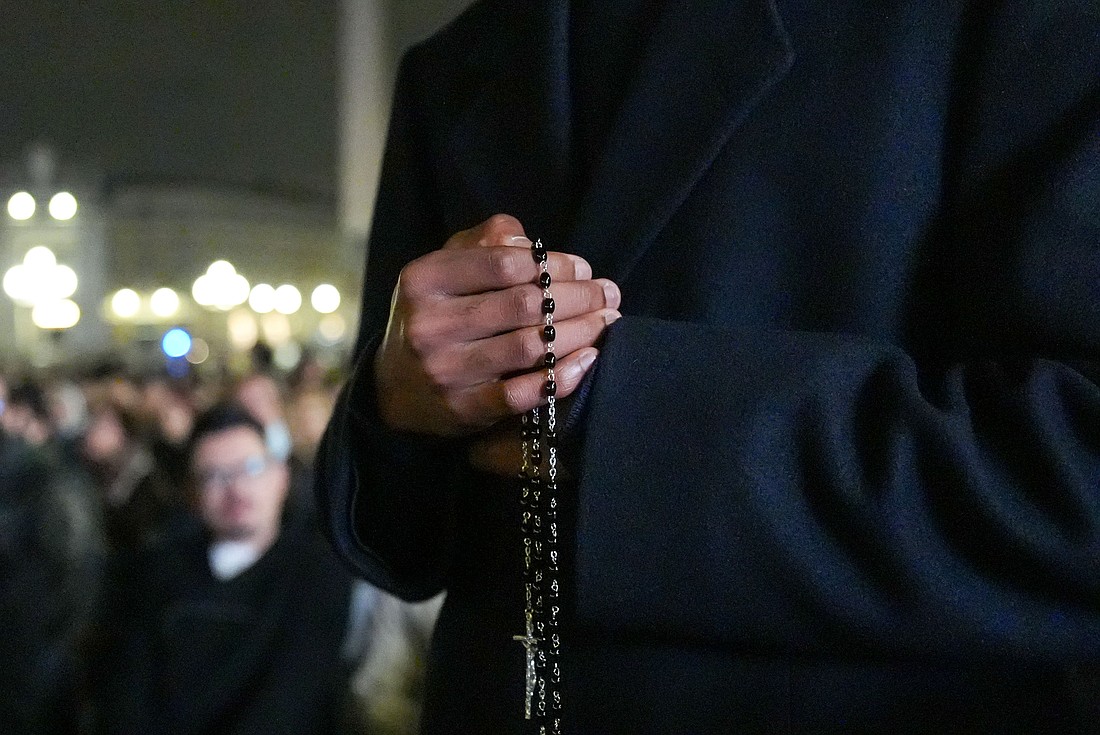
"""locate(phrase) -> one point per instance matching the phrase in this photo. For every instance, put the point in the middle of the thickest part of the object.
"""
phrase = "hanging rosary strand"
(539, 525)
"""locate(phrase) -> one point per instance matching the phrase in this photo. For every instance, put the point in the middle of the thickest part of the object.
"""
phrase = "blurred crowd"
(98, 482)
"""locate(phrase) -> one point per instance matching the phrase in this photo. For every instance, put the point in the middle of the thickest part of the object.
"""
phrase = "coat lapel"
(512, 141)
(705, 69)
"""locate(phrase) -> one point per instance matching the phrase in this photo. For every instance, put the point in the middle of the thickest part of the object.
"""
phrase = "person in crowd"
(68, 414)
(262, 396)
(388, 638)
(110, 382)
(235, 625)
(167, 414)
(387, 686)
(51, 562)
(27, 414)
(143, 499)
(308, 412)
(825, 287)
(167, 408)
(310, 374)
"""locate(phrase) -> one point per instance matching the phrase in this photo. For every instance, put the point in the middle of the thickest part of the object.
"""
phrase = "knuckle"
(528, 347)
(499, 228)
(419, 335)
(436, 371)
(503, 264)
(412, 279)
(513, 396)
(526, 302)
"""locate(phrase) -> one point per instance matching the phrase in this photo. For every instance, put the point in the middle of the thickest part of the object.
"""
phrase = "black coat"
(839, 464)
(255, 654)
(51, 556)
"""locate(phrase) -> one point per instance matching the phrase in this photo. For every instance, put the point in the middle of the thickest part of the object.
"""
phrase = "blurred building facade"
(140, 243)
(52, 250)
(271, 242)
(134, 253)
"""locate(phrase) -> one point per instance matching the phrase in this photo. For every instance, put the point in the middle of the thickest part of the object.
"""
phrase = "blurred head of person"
(27, 414)
(261, 396)
(110, 382)
(108, 436)
(308, 415)
(239, 487)
(309, 374)
(167, 408)
(69, 409)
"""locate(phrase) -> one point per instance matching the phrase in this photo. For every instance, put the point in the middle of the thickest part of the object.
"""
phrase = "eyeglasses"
(252, 468)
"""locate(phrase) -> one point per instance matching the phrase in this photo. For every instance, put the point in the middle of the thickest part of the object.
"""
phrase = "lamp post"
(51, 204)
(44, 287)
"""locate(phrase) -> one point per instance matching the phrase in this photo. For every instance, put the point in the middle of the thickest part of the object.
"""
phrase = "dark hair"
(263, 358)
(221, 417)
(33, 397)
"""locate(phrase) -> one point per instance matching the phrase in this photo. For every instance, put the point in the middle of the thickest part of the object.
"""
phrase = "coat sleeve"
(815, 492)
(807, 492)
(385, 498)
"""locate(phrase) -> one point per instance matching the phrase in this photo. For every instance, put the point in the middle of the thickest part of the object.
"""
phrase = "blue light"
(176, 342)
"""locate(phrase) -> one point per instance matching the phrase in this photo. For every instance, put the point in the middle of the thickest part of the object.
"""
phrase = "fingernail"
(587, 359)
(611, 294)
(610, 316)
(581, 269)
(575, 371)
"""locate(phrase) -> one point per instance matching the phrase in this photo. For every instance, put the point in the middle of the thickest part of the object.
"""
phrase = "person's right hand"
(463, 348)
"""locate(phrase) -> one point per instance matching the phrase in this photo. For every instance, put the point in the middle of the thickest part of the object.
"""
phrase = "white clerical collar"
(230, 558)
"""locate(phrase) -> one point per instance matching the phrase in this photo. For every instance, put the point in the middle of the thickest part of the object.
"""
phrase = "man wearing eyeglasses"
(235, 626)
(240, 493)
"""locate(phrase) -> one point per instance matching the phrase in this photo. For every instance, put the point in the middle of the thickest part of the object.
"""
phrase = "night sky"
(231, 92)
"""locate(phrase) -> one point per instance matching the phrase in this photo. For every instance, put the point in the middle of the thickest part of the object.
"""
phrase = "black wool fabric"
(839, 463)
(257, 653)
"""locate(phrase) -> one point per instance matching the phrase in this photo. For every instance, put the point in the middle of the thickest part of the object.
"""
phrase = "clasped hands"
(463, 347)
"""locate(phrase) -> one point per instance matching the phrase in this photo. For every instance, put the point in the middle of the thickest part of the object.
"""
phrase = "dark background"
(238, 92)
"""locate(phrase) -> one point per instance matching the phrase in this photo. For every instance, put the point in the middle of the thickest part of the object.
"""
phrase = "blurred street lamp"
(262, 298)
(325, 298)
(39, 279)
(199, 353)
(60, 314)
(62, 206)
(176, 342)
(44, 285)
(125, 303)
(164, 303)
(288, 299)
(21, 206)
(221, 287)
(288, 355)
(276, 328)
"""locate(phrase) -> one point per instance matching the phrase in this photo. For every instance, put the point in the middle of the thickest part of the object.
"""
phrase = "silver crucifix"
(530, 645)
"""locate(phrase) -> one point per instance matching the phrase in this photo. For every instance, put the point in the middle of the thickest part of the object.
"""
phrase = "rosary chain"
(539, 526)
